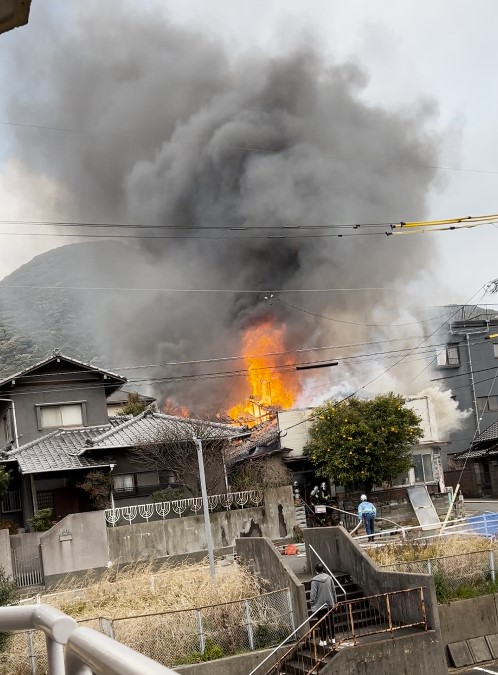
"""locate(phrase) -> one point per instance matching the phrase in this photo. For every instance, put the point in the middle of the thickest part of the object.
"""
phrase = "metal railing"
(350, 621)
(335, 579)
(181, 506)
(87, 652)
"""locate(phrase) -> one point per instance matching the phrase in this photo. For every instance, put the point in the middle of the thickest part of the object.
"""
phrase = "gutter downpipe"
(16, 436)
(472, 385)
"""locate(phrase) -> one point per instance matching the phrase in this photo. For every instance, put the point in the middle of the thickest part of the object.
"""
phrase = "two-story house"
(55, 428)
(467, 362)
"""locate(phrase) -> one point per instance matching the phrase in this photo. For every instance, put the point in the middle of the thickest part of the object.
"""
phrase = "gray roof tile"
(58, 451)
(150, 426)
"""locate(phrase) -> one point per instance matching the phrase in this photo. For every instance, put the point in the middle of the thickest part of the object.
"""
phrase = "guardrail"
(87, 652)
(181, 506)
(485, 525)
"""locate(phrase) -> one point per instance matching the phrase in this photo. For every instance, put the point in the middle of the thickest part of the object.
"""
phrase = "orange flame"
(268, 386)
(178, 411)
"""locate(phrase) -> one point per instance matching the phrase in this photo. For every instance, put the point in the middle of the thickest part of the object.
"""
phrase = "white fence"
(180, 507)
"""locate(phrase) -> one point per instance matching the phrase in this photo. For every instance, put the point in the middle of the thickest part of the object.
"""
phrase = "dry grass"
(145, 589)
(436, 548)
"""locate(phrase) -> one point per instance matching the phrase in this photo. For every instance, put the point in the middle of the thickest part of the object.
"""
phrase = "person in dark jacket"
(323, 598)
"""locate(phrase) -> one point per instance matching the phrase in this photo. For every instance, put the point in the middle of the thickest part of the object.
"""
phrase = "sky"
(415, 53)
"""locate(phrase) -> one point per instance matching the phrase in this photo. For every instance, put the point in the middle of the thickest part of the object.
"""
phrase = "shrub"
(9, 595)
(42, 520)
(211, 652)
(166, 495)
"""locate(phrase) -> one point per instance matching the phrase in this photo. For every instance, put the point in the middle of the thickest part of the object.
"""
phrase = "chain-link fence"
(190, 636)
(453, 574)
(174, 638)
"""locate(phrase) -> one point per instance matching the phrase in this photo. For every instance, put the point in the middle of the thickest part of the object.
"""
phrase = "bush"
(42, 520)
(9, 595)
(166, 495)
(9, 525)
(211, 652)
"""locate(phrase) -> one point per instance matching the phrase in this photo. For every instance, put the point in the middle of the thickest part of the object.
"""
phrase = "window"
(148, 478)
(424, 472)
(487, 404)
(57, 415)
(124, 482)
(449, 357)
(495, 349)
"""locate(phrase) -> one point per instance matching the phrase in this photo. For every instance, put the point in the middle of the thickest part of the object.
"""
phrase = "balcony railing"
(86, 650)
(182, 506)
(12, 502)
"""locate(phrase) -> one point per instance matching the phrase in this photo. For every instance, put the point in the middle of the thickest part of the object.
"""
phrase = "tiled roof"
(53, 357)
(485, 444)
(262, 435)
(65, 449)
(489, 434)
(58, 451)
(149, 427)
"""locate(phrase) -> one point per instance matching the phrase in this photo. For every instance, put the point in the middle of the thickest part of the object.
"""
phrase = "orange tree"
(363, 441)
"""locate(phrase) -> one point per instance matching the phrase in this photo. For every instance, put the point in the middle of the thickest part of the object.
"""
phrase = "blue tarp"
(486, 524)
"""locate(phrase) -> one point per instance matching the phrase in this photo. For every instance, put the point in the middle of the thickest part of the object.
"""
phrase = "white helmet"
(363, 498)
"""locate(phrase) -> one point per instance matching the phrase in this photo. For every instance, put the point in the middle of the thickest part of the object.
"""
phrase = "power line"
(193, 290)
(263, 150)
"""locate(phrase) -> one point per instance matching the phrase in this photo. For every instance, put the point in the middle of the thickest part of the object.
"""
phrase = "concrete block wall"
(75, 544)
(5, 554)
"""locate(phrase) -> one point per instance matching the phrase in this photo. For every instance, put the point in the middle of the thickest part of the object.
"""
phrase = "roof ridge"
(220, 425)
(119, 427)
(54, 357)
(34, 442)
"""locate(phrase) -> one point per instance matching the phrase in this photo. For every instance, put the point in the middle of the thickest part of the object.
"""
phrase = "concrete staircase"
(301, 516)
(304, 657)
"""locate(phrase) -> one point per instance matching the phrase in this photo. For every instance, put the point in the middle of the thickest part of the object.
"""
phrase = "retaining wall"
(165, 538)
(413, 654)
(340, 553)
(265, 561)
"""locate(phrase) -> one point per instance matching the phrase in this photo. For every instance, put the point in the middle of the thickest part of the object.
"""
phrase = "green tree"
(363, 441)
(134, 406)
(97, 485)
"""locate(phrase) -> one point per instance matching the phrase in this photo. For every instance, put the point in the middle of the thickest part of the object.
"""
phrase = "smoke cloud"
(171, 129)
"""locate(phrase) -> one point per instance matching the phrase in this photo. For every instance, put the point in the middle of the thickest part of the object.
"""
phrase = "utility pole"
(205, 508)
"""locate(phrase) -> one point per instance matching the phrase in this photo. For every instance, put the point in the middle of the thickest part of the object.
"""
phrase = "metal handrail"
(349, 604)
(286, 639)
(87, 650)
(336, 580)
